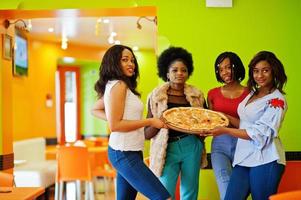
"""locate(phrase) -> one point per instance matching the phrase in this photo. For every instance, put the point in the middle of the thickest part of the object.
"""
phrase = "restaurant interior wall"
(246, 28)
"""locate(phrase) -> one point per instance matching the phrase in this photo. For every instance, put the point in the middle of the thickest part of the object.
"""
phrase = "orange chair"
(73, 165)
(6, 179)
(291, 179)
(292, 195)
(101, 167)
(99, 162)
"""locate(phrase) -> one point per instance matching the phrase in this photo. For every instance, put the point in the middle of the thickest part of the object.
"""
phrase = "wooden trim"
(62, 70)
(62, 110)
(77, 73)
(126, 11)
(7, 161)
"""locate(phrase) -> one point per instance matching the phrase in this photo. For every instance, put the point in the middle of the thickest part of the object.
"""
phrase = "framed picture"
(7, 46)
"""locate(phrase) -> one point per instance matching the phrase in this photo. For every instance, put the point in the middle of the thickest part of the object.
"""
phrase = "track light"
(7, 23)
(148, 19)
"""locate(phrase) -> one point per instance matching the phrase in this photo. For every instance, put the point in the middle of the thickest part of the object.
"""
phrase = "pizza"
(193, 119)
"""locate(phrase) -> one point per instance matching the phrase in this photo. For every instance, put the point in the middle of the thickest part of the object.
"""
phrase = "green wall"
(248, 27)
(90, 125)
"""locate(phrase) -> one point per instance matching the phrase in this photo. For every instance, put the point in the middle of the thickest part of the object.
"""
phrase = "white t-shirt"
(133, 110)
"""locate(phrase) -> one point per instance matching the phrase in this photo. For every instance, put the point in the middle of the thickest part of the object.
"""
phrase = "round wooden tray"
(208, 113)
(197, 132)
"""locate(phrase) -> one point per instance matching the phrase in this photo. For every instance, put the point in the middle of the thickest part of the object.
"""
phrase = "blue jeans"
(133, 175)
(261, 181)
(222, 154)
(183, 157)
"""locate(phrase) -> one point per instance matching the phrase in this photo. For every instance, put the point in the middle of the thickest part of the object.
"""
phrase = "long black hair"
(110, 70)
(278, 73)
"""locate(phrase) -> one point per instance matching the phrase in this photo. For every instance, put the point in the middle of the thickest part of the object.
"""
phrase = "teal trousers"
(183, 158)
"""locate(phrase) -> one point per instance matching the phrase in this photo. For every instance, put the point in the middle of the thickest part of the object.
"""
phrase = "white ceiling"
(83, 30)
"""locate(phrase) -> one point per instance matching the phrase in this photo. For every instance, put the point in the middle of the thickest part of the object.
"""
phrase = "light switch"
(219, 3)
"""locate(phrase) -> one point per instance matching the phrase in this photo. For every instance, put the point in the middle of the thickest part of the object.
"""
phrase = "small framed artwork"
(7, 46)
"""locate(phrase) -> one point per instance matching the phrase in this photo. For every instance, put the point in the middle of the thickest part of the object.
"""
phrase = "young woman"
(259, 159)
(172, 152)
(121, 106)
(230, 71)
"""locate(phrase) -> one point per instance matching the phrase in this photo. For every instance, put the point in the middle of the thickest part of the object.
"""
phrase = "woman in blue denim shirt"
(259, 159)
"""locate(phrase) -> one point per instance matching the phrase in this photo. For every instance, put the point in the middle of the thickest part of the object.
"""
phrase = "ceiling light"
(117, 42)
(64, 44)
(97, 25)
(106, 21)
(7, 23)
(111, 40)
(29, 26)
(154, 20)
(50, 30)
(113, 34)
(135, 48)
(68, 59)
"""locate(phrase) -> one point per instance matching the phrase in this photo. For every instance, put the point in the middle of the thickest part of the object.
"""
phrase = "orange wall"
(5, 102)
(31, 118)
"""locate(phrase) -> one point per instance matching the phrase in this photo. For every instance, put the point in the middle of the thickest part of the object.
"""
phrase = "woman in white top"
(120, 105)
(259, 159)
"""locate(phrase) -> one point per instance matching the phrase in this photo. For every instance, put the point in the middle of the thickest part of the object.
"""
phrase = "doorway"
(69, 101)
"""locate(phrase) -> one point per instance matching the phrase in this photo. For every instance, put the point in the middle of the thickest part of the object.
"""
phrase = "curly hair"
(170, 55)
(278, 73)
(237, 70)
(110, 70)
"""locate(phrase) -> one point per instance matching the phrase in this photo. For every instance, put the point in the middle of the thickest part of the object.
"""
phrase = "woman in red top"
(230, 71)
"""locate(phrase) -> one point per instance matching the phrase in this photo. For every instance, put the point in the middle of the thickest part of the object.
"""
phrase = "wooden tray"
(193, 119)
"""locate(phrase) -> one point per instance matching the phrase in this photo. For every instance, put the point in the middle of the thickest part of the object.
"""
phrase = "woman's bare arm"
(239, 133)
(116, 108)
(233, 121)
(98, 109)
(150, 131)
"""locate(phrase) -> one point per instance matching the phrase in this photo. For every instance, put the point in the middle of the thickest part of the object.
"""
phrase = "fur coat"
(157, 101)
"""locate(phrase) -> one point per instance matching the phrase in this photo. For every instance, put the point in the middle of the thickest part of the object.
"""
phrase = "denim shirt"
(262, 120)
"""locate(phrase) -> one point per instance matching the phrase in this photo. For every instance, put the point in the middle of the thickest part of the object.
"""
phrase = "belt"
(177, 138)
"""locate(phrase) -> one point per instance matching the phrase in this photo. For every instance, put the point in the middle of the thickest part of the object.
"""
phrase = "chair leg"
(105, 184)
(94, 181)
(91, 190)
(86, 191)
(78, 189)
(56, 191)
(61, 190)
